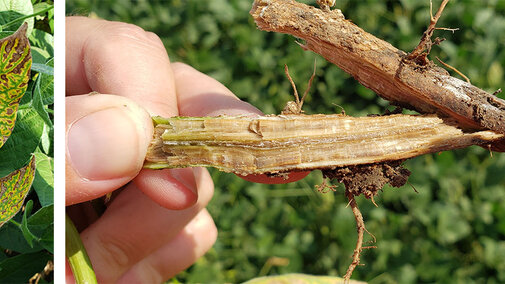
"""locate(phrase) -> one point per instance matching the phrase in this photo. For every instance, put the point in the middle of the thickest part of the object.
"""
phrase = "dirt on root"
(369, 179)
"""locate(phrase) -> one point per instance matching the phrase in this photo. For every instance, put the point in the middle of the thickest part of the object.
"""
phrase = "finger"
(182, 251)
(211, 98)
(107, 139)
(133, 227)
(170, 188)
(119, 58)
(208, 97)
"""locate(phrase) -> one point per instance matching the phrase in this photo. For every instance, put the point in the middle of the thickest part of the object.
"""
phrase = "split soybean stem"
(77, 256)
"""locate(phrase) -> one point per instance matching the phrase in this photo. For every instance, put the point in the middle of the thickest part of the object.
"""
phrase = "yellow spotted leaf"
(15, 64)
(13, 190)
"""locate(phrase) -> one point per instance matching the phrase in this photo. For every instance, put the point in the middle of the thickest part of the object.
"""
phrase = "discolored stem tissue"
(298, 142)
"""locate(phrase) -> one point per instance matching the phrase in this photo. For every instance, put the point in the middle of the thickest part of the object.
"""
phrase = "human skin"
(156, 225)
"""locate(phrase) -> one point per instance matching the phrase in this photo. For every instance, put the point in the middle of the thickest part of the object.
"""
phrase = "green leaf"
(41, 220)
(15, 9)
(20, 268)
(47, 84)
(29, 237)
(24, 140)
(39, 55)
(42, 68)
(41, 225)
(44, 179)
(47, 239)
(13, 190)
(44, 42)
(46, 138)
(15, 63)
(12, 238)
(38, 93)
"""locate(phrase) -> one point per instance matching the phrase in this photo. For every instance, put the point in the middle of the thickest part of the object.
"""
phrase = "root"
(373, 201)
(490, 150)
(296, 106)
(325, 187)
(308, 87)
(420, 53)
(360, 225)
(411, 185)
(297, 98)
(454, 69)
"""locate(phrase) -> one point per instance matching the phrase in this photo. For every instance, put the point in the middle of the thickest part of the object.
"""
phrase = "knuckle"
(116, 252)
(121, 36)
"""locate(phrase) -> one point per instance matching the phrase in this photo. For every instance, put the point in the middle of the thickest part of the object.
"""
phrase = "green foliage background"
(453, 230)
(26, 241)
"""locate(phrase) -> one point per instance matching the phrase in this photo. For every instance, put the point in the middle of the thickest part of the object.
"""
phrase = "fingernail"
(104, 145)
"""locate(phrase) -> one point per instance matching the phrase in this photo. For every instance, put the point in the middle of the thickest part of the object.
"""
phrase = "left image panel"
(26, 141)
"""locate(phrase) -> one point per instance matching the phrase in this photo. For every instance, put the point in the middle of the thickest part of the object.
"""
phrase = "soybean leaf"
(11, 237)
(37, 101)
(47, 239)
(47, 83)
(29, 237)
(42, 68)
(46, 138)
(39, 55)
(44, 42)
(44, 179)
(20, 268)
(11, 10)
(23, 142)
(13, 190)
(41, 225)
(15, 63)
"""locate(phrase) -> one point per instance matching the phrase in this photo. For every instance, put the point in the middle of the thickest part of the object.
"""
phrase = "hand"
(156, 225)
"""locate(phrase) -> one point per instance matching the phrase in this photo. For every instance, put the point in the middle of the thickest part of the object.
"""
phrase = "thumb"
(106, 142)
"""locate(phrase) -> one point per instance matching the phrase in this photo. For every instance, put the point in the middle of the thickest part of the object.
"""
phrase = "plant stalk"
(77, 256)
(297, 142)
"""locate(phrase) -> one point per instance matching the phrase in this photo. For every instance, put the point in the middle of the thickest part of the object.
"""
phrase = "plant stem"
(77, 256)
(277, 144)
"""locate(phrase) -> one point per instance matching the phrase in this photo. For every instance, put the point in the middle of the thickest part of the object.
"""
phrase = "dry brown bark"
(382, 67)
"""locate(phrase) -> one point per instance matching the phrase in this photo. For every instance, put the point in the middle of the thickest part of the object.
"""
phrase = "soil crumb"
(369, 179)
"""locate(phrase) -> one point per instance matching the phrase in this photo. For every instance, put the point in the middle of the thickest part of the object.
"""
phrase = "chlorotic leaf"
(13, 190)
(15, 64)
